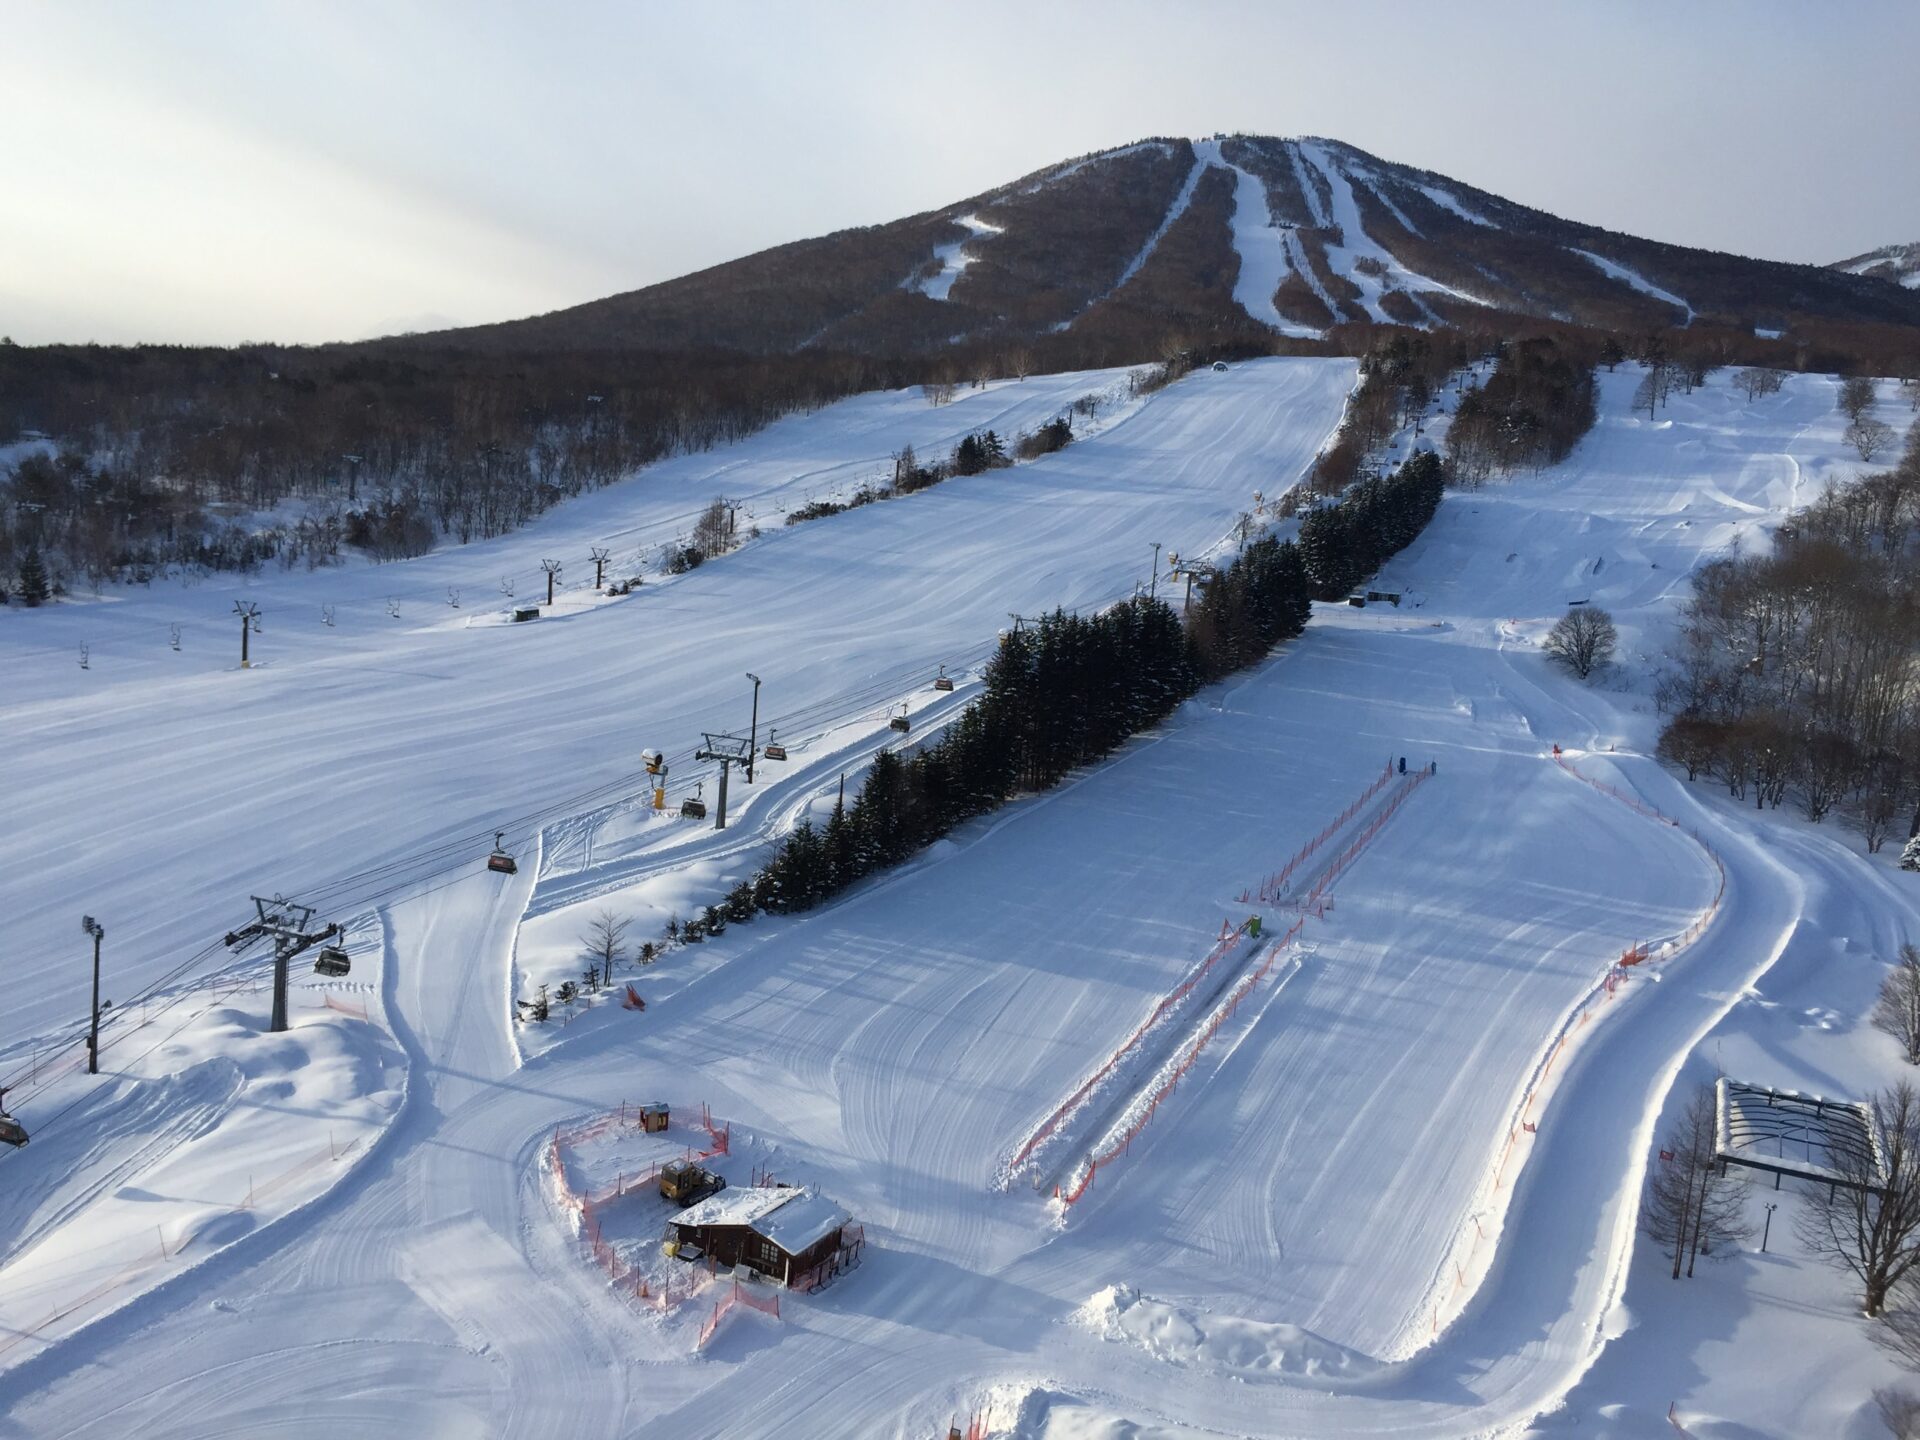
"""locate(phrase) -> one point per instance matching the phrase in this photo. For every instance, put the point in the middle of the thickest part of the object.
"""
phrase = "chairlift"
(900, 722)
(943, 681)
(773, 749)
(12, 1132)
(500, 860)
(693, 807)
(333, 963)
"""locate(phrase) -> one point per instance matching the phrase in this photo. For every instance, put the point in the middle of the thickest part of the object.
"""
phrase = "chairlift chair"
(943, 681)
(500, 860)
(693, 807)
(773, 749)
(12, 1132)
(333, 963)
(900, 722)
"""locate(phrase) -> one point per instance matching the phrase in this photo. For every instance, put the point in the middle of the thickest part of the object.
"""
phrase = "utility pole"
(287, 923)
(729, 750)
(353, 478)
(753, 727)
(249, 614)
(1153, 590)
(553, 568)
(599, 558)
(94, 928)
(1767, 1228)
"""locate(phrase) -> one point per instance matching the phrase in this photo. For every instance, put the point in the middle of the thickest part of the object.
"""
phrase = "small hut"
(784, 1232)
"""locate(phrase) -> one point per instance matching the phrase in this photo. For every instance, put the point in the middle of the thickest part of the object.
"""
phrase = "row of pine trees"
(1064, 690)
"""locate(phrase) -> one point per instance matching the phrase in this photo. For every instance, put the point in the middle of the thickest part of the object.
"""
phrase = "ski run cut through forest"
(1287, 1058)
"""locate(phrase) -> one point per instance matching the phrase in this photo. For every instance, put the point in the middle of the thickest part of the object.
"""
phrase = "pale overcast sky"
(212, 172)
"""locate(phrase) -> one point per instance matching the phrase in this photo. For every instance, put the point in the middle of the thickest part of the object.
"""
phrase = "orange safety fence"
(1219, 1018)
(586, 1207)
(1271, 887)
(1603, 990)
(1222, 947)
(1228, 941)
(765, 1304)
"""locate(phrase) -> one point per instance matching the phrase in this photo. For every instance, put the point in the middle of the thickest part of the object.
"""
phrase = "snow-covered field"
(1334, 1223)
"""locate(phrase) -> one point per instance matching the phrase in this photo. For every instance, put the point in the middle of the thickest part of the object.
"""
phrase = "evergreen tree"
(32, 589)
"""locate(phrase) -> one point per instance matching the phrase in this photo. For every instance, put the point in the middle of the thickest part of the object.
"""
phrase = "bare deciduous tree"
(1869, 1223)
(605, 939)
(1582, 640)
(1898, 1009)
(713, 531)
(1869, 437)
(1692, 1207)
(1856, 396)
(1758, 381)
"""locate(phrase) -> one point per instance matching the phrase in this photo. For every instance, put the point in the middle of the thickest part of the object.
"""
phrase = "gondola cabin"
(788, 1234)
(12, 1132)
(773, 749)
(500, 860)
(943, 681)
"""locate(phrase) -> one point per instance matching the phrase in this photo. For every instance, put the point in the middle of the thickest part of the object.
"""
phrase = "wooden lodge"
(787, 1233)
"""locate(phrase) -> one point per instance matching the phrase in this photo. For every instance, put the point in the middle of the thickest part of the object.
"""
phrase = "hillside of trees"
(1795, 675)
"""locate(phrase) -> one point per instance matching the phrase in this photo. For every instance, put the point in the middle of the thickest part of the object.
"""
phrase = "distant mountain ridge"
(1898, 263)
(1254, 234)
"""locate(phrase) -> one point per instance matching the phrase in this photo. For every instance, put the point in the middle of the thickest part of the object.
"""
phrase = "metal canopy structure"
(1785, 1133)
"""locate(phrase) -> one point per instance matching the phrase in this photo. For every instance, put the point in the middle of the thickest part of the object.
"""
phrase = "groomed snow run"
(1633, 279)
(953, 259)
(1272, 1255)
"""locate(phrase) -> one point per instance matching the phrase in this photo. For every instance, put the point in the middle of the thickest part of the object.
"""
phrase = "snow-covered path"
(892, 1047)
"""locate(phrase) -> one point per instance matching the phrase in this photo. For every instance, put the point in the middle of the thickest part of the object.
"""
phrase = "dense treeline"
(1529, 414)
(1341, 545)
(163, 447)
(1795, 673)
(1399, 376)
(1065, 690)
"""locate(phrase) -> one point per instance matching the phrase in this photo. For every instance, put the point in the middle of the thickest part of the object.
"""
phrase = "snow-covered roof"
(735, 1207)
(794, 1219)
(804, 1221)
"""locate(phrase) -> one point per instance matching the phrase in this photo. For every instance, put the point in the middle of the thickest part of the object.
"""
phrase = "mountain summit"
(1293, 237)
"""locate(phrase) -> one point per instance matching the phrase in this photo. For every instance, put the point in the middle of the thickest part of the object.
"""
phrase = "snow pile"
(1224, 1344)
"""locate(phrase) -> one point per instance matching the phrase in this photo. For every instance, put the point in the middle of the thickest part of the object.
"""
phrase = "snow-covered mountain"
(1898, 263)
(1252, 233)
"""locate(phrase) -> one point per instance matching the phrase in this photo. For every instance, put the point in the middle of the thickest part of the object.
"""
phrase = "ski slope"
(1295, 1207)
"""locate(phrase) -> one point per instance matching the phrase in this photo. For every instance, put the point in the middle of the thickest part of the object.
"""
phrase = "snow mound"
(1226, 1344)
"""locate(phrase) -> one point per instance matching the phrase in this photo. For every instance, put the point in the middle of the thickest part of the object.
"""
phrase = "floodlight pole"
(94, 928)
(1153, 590)
(1767, 1228)
(753, 735)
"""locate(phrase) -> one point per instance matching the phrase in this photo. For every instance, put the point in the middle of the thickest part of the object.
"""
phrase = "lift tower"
(288, 924)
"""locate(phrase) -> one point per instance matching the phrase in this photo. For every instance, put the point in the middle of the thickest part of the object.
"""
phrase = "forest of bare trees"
(1795, 672)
